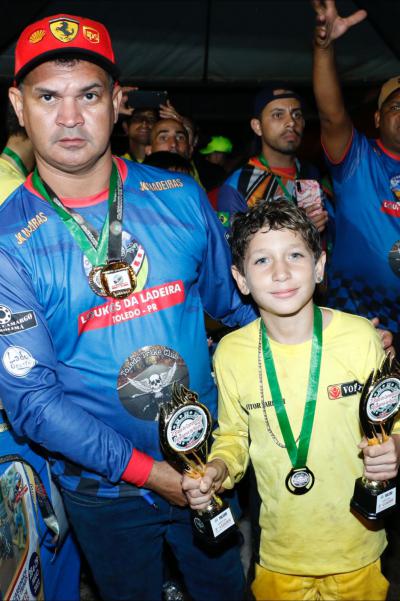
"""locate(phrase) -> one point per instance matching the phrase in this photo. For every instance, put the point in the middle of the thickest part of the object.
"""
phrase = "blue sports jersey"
(364, 270)
(84, 376)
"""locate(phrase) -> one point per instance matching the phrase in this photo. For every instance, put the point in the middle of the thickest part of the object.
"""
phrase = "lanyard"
(297, 455)
(17, 159)
(98, 248)
(264, 161)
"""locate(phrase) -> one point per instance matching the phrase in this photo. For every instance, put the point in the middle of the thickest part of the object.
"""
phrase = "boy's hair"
(272, 215)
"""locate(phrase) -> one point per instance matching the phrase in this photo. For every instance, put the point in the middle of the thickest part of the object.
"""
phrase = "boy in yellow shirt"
(289, 387)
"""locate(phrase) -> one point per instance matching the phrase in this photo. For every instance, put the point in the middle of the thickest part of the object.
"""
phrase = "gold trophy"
(185, 426)
(379, 405)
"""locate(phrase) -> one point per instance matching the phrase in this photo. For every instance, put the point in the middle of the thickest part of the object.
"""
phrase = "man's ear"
(240, 280)
(116, 100)
(16, 99)
(377, 119)
(256, 126)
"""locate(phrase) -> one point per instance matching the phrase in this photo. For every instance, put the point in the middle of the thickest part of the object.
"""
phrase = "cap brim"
(78, 53)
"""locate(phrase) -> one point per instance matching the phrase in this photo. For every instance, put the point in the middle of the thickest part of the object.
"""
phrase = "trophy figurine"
(185, 425)
(379, 405)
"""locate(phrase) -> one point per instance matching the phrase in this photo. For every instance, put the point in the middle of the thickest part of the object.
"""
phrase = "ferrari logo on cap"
(64, 30)
(91, 34)
(37, 36)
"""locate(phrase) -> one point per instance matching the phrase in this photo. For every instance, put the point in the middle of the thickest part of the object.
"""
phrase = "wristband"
(138, 469)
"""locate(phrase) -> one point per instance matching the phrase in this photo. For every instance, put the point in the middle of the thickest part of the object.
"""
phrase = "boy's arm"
(336, 125)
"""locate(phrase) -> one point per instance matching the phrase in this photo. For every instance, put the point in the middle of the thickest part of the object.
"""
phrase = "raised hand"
(329, 24)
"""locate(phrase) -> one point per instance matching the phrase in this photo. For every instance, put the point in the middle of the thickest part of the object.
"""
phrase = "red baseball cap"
(63, 35)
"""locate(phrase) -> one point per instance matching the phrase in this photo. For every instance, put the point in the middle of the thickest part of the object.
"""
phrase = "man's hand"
(330, 25)
(200, 490)
(167, 111)
(318, 216)
(124, 109)
(386, 337)
(381, 461)
(167, 482)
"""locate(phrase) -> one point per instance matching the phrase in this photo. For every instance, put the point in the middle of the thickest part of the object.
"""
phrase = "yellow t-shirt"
(10, 178)
(314, 533)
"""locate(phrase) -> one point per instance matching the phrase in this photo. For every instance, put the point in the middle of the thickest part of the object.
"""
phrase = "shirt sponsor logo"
(338, 391)
(391, 207)
(32, 225)
(166, 184)
(138, 304)
(12, 323)
(18, 361)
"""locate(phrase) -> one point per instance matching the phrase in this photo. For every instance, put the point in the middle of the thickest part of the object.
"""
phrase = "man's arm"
(336, 125)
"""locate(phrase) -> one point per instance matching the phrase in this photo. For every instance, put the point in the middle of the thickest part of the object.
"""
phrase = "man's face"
(140, 125)
(387, 120)
(68, 110)
(169, 135)
(281, 125)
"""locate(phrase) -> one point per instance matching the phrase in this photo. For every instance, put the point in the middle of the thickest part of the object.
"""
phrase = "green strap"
(95, 248)
(17, 159)
(298, 455)
(264, 161)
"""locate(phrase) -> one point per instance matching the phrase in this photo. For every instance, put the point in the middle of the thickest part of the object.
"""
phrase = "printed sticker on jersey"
(18, 361)
(12, 323)
(337, 391)
(21, 571)
(146, 377)
(166, 184)
(395, 186)
(132, 252)
(394, 258)
(139, 304)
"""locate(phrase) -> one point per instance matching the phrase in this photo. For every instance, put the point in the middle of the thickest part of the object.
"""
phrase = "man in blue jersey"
(364, 270)
(106, 269)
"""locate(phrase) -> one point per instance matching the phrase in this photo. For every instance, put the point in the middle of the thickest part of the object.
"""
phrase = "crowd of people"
(119, 258)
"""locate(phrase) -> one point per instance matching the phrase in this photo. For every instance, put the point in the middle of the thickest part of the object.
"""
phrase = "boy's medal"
(109, 276)
(300, 478)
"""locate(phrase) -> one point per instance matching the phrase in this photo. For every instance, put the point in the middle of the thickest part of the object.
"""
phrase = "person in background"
(138, 128)
(169, 135)
(217, 150)
(364, 269)
(17, 158)
(276, 172)
(171, 161)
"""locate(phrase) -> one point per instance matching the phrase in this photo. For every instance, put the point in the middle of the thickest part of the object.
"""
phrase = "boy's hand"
(381, 461)
(200, 490)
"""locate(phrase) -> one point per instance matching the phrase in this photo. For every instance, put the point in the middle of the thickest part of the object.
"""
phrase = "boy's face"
(280, 272)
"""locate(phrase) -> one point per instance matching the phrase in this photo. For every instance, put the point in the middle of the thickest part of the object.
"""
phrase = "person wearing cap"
(114, 262)
(364, 270)
(217, 150)
(276, 172)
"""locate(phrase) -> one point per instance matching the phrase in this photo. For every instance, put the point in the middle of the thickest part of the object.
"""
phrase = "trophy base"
(373, 503)
(214, 524)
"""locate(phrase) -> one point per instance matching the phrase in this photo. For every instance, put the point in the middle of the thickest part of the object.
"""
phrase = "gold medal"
(117, 279)
(95, 282)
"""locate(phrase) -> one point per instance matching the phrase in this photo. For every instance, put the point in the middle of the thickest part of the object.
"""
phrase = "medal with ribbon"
(110, 275)
(300, 479)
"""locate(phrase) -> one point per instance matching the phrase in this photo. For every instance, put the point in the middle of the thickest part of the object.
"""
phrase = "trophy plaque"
(185, 425)
(379, 405)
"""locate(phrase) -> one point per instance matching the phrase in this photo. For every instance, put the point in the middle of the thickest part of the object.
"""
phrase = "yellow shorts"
(367, 584)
